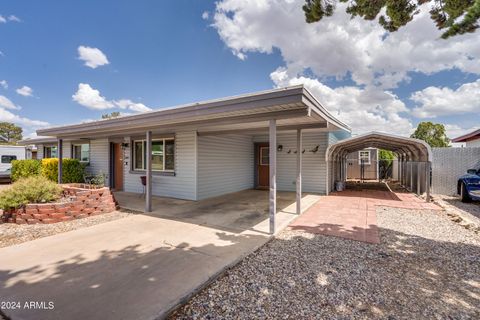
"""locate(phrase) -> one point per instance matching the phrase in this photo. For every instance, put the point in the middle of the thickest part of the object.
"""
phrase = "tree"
(10, 133)
(386, 155)
(112, 115)
(454, 16)
(431, 133)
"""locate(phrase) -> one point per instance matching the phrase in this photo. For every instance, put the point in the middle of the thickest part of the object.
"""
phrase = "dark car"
(468, 186)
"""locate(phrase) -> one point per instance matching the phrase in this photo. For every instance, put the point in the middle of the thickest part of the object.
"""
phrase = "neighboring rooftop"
(468, 137)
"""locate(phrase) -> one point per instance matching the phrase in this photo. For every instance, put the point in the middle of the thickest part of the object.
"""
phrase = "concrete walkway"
(138, 267)
(351, 214)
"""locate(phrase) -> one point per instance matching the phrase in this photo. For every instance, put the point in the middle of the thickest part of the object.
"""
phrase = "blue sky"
(164, 53)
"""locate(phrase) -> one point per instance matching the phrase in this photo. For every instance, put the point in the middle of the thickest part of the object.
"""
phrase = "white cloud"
(4, 84)
(130, 105)
(363, 109)
(25, 91)
(93, 57)
(8, 116)
(92, 99)
(14, 18)
(205, 15)
(435, 101)
(11, 18)
(7, 103)
(339, 45)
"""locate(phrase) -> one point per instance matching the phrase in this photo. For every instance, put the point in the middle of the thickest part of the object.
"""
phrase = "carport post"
(273, 173)
(411, 176)
(400, 170)
(427, 184)
(299, 171)
(419, 165)
(148, 173)
(60, 159)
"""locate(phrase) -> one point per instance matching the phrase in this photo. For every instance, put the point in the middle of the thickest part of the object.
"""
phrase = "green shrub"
(50, 168)
(98, 179)
(35, 189)
(72, 172)
(25, 168)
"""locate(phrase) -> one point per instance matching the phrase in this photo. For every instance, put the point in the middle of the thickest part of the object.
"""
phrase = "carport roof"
(293, 107)
(417, 149)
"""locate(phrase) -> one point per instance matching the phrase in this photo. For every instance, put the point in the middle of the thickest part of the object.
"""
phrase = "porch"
(234, 212)
(208, 149)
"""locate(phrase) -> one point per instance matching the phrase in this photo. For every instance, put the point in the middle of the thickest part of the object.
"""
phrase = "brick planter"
(79, 201)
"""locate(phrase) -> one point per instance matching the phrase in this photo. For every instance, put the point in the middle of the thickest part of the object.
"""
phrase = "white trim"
(72, 151)
(360, 157)
(51, 151)
(143, 154)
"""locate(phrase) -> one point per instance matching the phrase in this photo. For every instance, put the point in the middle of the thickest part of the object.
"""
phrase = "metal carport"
(414, 159)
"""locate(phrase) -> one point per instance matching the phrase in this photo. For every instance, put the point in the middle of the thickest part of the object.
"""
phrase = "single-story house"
(272, 139)
(471, 139)
(363, 164)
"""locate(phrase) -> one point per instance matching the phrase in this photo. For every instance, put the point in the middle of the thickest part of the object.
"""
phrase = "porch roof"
(293, 108)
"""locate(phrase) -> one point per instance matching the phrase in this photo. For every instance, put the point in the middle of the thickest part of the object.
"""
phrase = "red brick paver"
(351, 214)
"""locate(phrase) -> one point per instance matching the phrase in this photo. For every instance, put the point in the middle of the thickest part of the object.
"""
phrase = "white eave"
(292, 107)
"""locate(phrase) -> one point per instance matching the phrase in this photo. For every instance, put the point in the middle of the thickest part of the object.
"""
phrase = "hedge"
(73, 170)
(25, 168)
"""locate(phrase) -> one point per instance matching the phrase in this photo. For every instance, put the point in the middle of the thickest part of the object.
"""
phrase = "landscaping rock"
(426, 267)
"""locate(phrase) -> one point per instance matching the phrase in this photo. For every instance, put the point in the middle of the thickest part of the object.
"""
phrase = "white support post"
(148, 186)
(411, 176)
(60, 160)
(273, 173)
(419, 165)
(299, 171)
(400, 170)
(427, 184)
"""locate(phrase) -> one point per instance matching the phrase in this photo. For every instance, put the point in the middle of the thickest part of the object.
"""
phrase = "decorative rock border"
(79, 201)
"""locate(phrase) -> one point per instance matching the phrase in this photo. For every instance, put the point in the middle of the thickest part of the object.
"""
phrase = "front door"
(117, 167)
(263, 151)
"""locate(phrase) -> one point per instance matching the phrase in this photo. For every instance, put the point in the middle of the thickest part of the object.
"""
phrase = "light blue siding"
(183, 184)
(314, 165)
(225, 164)
(99, 158)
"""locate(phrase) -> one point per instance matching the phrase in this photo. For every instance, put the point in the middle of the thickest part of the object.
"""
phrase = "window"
(8, 159)
(50, 152)
(264, 156)
(364, 157)
(163, 154)
(81, 152)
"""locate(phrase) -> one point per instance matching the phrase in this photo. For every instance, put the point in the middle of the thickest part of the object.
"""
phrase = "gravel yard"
(426, 267)
(469, 211)
(11, 233)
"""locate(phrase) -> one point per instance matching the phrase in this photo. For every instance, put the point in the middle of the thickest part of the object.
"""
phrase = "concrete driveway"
(138, 267)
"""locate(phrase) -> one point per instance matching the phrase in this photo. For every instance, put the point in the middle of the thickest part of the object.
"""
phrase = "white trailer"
(8, 154)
